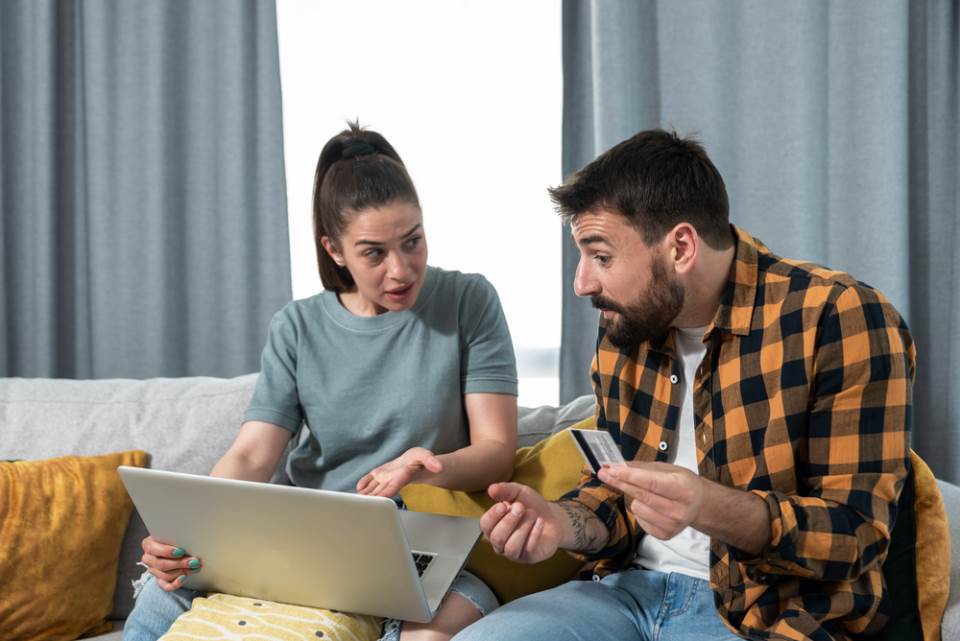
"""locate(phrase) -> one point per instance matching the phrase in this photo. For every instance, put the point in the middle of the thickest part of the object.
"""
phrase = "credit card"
(597, 447)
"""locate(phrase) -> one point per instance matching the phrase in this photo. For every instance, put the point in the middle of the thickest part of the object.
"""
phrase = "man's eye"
(413, 242)
(601, 258)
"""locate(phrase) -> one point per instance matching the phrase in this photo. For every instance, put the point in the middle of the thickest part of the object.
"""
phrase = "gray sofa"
(186, 424)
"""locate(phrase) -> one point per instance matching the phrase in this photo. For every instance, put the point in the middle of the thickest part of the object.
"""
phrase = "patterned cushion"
(222, 616)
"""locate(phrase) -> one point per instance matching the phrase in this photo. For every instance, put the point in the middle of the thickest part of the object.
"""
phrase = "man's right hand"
(522, 526)
(169, 564)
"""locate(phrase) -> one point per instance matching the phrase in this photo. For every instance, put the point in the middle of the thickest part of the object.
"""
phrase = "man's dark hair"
(357, 170)
(657, 180)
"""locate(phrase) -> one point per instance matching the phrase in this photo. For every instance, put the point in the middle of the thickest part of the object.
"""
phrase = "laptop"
(295, 545)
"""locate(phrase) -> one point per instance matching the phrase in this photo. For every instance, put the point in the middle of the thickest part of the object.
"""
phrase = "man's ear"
(331, 248)
(683, 244)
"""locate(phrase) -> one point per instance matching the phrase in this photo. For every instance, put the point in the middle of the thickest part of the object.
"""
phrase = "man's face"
(631, 284)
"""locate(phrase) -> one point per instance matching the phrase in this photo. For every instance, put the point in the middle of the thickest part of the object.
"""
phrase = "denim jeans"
(155, 610)
(633, 605)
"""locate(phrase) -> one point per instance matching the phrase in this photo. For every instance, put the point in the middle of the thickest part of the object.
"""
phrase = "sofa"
(186, 424)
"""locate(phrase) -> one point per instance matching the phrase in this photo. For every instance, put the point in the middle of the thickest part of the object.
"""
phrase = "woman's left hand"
(389, 478)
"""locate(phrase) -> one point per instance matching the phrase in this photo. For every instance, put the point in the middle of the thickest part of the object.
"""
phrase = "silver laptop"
(317, 548)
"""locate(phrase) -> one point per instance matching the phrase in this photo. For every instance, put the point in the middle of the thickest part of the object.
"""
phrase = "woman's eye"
(373, 253)
(413, 242)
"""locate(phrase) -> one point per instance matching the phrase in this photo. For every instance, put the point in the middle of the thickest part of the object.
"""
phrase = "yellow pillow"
(222, 616)
(61, 523)
(933, 549)
(553, 467)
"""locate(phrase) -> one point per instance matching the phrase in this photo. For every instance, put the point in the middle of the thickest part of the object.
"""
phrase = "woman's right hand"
(169, 564)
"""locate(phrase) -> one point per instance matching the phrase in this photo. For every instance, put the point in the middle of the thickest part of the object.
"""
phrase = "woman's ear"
(331, 249)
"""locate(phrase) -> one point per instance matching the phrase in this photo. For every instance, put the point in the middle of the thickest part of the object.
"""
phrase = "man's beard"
(648, 318)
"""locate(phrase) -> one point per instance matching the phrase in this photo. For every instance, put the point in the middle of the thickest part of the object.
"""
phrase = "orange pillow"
(933, 549)
(61, 522)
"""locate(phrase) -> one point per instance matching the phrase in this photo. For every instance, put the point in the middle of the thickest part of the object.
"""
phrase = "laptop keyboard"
(422, 560)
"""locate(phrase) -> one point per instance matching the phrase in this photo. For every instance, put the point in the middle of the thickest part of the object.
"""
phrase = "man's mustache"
(605, 303)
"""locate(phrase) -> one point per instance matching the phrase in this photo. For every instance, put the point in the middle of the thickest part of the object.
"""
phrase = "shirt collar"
(735, 313)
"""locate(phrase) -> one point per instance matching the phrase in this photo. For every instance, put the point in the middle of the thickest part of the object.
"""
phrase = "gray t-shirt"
(370, 388)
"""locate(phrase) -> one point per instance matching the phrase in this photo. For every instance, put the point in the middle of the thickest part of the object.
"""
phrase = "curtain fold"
(144, 228)
(834, 126)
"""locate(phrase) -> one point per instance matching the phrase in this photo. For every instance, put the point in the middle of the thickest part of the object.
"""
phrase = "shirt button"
(703, 438)
(663, 446)
(674, 378)
(596, 578)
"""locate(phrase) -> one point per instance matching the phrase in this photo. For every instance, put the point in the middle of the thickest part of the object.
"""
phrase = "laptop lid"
(295, 545)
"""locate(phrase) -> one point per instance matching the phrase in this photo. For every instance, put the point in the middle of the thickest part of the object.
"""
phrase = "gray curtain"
(144, 228)
(834, 125)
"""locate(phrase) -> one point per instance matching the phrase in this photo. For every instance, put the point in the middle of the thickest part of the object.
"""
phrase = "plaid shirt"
(804, 399)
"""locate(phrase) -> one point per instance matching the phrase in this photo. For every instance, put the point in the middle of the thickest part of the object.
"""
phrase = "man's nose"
(584, 281)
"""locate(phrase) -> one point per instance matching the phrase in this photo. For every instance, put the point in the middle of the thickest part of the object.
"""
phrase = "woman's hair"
(357, 170)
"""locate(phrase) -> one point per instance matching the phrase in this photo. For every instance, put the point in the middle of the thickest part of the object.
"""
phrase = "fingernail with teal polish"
(194, 564)
(178, 552)
(181, 578)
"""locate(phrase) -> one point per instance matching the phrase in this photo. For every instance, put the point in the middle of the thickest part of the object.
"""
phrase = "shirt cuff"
(490, 385)
(269, 415)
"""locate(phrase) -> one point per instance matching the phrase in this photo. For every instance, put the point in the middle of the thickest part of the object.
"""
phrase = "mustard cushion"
(223, 616)
(553, 467)
(61, 523)
(933, 549)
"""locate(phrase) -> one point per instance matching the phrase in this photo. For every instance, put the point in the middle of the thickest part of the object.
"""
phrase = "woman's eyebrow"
(364, 241)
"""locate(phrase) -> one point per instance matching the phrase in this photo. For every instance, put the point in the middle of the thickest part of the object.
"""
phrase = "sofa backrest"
(185, 424)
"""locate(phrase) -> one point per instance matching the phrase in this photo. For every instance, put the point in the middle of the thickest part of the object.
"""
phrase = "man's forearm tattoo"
(590, 534)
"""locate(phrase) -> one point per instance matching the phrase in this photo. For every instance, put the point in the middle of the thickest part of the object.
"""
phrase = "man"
(764, 405)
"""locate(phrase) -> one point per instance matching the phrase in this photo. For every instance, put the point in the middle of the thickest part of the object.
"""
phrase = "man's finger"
(492, 516)
(536, 533)
(508, 524)
(653, 522)
(633, 480)
(516, 544)
(508, 492)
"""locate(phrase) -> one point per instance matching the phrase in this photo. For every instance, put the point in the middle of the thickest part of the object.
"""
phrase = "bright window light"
(470, 94)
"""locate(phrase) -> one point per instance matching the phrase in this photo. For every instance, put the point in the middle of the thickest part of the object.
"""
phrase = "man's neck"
(705, 286)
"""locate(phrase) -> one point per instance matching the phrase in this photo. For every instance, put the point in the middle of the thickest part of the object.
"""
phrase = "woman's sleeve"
(487, 363)
(275, 398)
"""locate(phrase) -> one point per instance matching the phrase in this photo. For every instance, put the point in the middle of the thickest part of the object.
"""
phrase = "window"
(470, 94)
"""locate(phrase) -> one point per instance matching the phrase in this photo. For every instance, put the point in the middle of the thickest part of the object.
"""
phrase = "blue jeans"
(633, 605)
(155, 610)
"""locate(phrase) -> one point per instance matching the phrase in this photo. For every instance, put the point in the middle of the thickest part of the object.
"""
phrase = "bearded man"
(763, 404)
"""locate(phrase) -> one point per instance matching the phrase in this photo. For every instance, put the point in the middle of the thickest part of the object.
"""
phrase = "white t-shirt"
(689, 551)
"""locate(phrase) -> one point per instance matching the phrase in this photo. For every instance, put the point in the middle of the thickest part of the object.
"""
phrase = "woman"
(402, 373)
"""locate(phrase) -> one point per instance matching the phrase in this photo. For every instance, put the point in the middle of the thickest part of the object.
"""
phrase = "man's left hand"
(665, 498)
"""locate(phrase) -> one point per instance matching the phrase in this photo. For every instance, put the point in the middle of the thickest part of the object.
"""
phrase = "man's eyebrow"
(589, 240)
(377, 243)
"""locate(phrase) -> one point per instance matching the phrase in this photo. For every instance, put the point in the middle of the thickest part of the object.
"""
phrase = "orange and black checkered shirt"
(803, 398)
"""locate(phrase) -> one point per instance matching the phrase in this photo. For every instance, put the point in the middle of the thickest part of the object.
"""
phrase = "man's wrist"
(735, 517)
(582, 530)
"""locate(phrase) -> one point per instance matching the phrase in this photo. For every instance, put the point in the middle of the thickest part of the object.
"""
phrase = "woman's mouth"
(400, 293)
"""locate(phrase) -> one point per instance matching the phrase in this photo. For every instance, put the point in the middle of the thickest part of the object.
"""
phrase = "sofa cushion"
(223, 616)
(552, 467)
(184, 424)
(951, 502)
(61, 523)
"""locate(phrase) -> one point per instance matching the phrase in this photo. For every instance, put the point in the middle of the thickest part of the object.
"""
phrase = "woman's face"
(385, 250)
